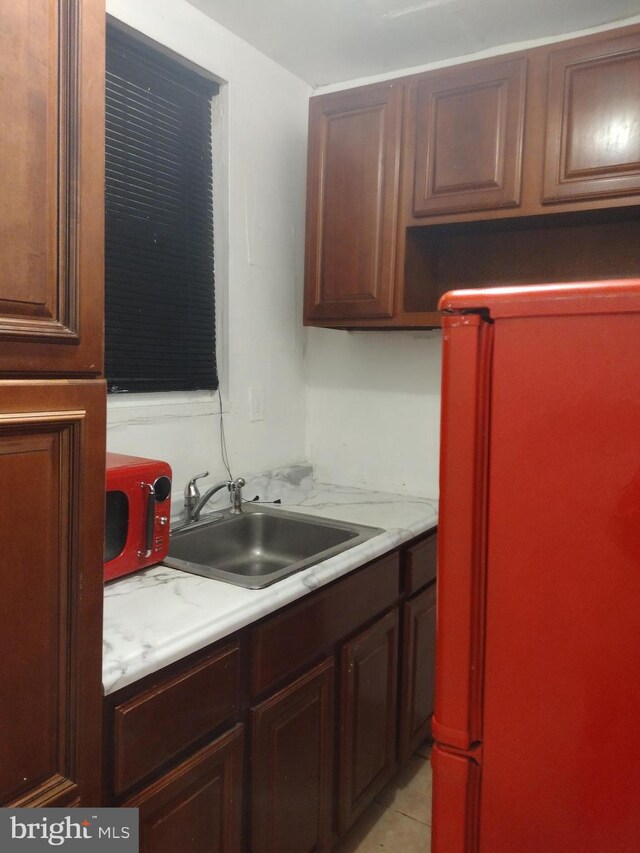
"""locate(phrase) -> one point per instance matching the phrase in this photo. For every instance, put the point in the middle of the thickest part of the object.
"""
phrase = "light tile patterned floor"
(399, 820)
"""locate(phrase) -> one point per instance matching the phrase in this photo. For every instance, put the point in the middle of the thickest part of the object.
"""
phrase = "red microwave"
(138, 512)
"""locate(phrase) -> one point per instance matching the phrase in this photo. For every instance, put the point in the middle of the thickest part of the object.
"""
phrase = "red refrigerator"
(537, 717)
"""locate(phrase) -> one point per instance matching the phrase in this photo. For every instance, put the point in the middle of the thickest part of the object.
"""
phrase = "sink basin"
(260, 546)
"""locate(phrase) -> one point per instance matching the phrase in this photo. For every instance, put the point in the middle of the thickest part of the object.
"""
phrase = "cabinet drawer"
(152, 728)
(287, 642)
(420, 562)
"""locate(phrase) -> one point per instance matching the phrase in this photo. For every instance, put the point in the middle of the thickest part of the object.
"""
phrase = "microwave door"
(116, 524)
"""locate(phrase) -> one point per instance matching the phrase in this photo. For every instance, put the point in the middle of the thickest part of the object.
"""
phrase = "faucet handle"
(235, 493)
(191, 491)
(236, 485)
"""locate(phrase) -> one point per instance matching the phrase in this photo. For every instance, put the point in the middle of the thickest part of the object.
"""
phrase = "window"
(160, 313)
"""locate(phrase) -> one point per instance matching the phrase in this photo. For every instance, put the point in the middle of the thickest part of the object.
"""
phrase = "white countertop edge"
(211, 610)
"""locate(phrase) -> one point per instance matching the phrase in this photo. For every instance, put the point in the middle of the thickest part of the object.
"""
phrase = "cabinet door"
(593, 123)
(293, 766)
(196, 808)
(352, 198)
(367, 716)
(469, 138)
(51, 538)
(52, 179)
(418, 670)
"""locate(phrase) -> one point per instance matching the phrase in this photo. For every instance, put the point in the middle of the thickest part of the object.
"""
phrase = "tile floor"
(399, 819)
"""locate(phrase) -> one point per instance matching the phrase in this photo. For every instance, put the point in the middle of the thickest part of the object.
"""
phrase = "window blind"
(160, 311)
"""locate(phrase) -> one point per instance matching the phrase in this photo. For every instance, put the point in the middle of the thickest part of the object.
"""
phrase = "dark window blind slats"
(160, 312)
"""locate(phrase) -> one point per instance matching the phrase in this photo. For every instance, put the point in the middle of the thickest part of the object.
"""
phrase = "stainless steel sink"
(260, 546)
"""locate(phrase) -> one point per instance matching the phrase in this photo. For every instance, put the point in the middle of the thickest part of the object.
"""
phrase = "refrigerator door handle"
(468, 347)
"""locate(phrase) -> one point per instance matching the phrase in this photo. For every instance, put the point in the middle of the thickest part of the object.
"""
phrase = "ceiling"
(328, 41)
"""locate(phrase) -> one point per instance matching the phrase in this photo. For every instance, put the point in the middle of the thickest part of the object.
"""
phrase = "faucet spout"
(193, 513)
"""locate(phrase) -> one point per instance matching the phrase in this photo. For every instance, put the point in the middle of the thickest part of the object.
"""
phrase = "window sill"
(139, 408)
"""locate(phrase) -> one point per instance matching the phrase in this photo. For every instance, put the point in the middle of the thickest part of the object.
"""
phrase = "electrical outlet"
(256, 404)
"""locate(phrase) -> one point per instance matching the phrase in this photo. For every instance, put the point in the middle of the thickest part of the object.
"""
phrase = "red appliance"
(138, 512)
(538, 658)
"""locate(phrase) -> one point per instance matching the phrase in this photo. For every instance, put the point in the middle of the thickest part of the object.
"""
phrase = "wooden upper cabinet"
(352, 199)
(52, 179)
(593, 125)
(412, 183)
(469, 138)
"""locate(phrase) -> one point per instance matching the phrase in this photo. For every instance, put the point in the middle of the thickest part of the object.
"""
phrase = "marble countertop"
(157, 616)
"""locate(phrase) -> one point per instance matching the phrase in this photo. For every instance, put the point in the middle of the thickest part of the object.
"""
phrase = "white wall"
(373, 409)
(260, 172)
(482, 54)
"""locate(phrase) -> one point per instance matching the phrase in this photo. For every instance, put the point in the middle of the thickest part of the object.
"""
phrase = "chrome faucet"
(194, 503)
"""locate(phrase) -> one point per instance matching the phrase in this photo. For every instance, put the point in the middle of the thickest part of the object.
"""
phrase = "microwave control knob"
(162, 520)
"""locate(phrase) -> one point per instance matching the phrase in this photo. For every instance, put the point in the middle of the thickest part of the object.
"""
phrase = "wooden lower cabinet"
(315, 688)
(159, 724)
(418, 668)
(369, 667)
(292, 767)
(197, 806)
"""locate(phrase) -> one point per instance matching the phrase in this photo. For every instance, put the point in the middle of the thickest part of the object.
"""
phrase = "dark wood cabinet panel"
(502, 162)
(52, 511)
(52, 178)
(352, 198)
(420, 563)
(292, 759)
(197, 807)
(369, 666)
(52, 434)
(593, 123)
(158, 724)
(418, 670)
(318, 623)
(469, 138)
